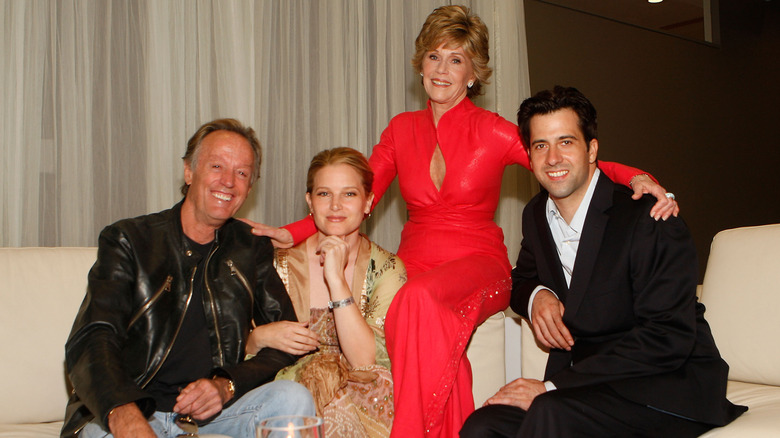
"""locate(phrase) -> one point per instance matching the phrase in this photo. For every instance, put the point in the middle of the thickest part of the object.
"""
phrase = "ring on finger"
(670, 195)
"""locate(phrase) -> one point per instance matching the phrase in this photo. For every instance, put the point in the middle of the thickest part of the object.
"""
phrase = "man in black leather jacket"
(170, 302)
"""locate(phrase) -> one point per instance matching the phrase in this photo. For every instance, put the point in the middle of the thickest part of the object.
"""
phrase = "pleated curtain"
(99, 98)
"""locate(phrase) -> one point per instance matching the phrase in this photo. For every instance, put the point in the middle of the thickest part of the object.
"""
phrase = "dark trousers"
(595, 411)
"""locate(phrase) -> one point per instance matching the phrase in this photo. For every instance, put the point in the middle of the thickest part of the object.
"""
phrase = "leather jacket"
(138, 292)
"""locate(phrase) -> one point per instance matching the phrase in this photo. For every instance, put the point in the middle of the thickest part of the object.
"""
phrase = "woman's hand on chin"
(280, 237)
(334, 255)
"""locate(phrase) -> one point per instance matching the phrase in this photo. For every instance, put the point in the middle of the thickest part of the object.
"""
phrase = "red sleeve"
(302, 229)
(620, 173)
(382, 161)
(516, 153)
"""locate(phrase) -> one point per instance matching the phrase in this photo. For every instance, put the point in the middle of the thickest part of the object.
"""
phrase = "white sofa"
(40, 292)
(741, 292)
(42, 288)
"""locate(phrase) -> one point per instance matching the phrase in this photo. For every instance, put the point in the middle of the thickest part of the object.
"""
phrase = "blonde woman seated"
(341, 285)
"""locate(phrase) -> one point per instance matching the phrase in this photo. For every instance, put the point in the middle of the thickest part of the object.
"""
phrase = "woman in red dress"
(449, 159)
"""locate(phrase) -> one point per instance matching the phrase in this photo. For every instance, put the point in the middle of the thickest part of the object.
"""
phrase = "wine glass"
(187, 425)
(291, 426)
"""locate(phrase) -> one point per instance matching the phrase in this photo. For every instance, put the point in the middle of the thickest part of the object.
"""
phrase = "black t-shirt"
(190, 357)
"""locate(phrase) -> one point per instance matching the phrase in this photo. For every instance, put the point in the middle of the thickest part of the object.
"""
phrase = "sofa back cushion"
(40, 292)
(534, 356)
(486, 355)
(741, 291)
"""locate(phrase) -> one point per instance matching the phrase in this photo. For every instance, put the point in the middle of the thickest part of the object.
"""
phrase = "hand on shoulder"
(280, 237)
(666, 205)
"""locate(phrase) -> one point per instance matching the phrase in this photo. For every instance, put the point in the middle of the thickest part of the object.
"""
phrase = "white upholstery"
(486, 354)
(534, 357)
(741, 291)
(762, 420)
(40, 292)
(37, 430)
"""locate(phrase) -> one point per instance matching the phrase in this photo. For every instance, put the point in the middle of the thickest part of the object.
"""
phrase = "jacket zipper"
(166, 287)
(213, 306)
(236, 273)
(175, 334)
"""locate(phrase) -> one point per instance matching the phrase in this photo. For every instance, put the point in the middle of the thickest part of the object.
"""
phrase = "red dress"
(454, 253)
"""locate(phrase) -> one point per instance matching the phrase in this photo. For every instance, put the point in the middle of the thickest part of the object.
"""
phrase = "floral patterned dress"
(355, 402)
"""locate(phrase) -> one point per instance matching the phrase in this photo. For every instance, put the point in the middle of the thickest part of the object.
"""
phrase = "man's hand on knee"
(127, 421)
(519, 393)
(202, 399)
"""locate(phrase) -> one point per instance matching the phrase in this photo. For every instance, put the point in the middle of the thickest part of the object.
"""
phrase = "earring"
(421, 73)
(471, 83)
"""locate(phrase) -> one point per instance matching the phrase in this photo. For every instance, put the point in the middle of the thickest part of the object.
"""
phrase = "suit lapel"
(590, 242)
(549, 252)
(551, 263)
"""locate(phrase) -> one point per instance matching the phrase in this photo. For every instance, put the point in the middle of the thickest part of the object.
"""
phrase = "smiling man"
(170, 303)
(612, 293)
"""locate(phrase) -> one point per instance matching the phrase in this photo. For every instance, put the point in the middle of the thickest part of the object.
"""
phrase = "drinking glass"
(187, 425)
(291, 426)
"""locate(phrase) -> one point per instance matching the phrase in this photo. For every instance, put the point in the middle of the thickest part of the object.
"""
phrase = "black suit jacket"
(631, 307)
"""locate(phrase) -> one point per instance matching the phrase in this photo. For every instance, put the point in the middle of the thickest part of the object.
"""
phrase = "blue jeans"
(281, 397)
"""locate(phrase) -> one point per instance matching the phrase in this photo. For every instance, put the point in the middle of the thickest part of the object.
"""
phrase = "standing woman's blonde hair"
(456, 26)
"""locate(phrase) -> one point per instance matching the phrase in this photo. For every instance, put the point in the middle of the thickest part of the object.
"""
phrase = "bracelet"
(341, 303)
(631, 181)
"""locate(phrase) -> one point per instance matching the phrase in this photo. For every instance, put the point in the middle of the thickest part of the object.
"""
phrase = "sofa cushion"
(53, 282)
(760, 421)
(39, 430)
(486, 355)
(534, 358)
(741, 291)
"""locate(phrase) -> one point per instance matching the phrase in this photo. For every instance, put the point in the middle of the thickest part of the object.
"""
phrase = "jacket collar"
(590, 242)
(176, 229)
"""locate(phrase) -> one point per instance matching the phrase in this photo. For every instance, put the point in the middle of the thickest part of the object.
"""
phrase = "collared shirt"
(565, 235)
(567, 241)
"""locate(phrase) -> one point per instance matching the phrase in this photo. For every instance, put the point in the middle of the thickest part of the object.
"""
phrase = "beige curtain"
(99, 98)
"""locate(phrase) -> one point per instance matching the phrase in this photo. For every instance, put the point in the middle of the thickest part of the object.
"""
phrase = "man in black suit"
(612, 293)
